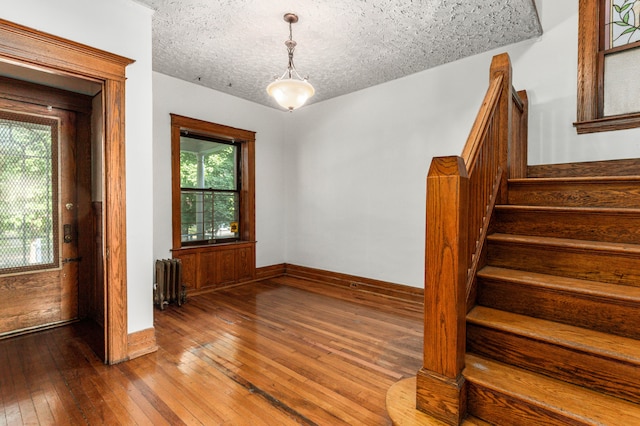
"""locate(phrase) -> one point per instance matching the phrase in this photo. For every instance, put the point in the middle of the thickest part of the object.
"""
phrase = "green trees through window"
(209, 182)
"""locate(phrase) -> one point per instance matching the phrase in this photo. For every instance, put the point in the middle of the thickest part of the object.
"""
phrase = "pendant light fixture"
(290, 90)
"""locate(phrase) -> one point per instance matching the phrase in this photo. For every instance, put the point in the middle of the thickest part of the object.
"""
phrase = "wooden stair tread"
(584, 245)
(585, 340)
(621, 167)
(578, 179)
(565, 284)
(569, 209)
(577, 403)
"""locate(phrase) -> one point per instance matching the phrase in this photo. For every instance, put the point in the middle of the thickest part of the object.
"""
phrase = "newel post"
(440, 389)
(501, 64)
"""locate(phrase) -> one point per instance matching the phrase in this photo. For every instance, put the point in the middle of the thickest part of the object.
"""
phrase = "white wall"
(124, 28)
(357, 170)
(183, 98)
(357, 164)
(339, 184)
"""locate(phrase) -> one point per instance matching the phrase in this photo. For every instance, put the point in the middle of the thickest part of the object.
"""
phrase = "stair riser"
(596, 313)
(505, 410)
(571, 365)
(592, 226)
(602, 266)
(576, 194)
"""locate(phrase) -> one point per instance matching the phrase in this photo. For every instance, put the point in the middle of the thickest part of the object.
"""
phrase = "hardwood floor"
(282, 351)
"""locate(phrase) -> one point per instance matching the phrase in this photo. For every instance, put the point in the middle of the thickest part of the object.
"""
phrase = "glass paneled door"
(38, 235)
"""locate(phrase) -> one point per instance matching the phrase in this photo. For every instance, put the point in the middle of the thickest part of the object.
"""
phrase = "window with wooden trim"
(212, 183)
(209, 190)
(608, 57)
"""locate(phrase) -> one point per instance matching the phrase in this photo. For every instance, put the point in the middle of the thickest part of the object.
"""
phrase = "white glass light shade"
(290, 93)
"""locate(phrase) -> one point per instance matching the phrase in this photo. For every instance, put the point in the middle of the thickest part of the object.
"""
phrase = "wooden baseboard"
(141, 343)
(207, 290)
(352, 282)
(272, 271)
(382, 288)
(262, 273)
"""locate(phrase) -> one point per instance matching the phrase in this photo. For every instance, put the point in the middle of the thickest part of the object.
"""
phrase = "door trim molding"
(26, 47)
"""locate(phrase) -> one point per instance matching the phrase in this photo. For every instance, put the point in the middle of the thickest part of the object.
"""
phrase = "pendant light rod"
(291, 18)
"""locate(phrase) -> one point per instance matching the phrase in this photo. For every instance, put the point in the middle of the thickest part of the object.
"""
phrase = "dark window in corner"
(212, 183)
(608, 54)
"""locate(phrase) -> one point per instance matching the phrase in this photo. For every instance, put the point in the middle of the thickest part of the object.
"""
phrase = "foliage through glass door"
(28, 189)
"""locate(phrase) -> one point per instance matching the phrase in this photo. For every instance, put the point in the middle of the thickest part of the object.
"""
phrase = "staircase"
(554, 336)
(532, 282)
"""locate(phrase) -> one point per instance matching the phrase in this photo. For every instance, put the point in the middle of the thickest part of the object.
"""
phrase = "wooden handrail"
(481, 125)
(461, 194)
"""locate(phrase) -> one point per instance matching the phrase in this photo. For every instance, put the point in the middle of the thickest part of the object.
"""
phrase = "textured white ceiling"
(237, 46)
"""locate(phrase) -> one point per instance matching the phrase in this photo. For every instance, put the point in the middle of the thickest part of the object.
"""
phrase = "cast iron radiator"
(168, 287)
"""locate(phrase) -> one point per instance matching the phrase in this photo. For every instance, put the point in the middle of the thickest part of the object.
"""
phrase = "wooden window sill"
(606, 124)
(213, 247)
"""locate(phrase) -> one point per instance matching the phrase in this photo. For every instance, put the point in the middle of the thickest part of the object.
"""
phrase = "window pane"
(225, 215)
(191, 208)
(622, 23)
(209, 215)
(27, 231)
(188, 170)
(208, 164)
(621, 84)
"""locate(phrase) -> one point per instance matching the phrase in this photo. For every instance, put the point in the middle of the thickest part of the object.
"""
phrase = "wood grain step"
(584, 223)
(599, 361)
(606, 168)
(617, 191)
(507, 395)
(604, 307)
(616, 263)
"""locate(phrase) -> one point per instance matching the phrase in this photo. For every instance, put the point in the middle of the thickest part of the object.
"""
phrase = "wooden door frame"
(33, 49)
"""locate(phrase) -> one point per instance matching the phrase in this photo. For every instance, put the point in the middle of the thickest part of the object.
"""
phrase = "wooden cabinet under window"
(211, 267)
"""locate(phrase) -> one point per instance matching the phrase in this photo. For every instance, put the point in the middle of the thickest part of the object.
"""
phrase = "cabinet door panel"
(245, 263)
(190, 277)
(226, 267)
(207, 272)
